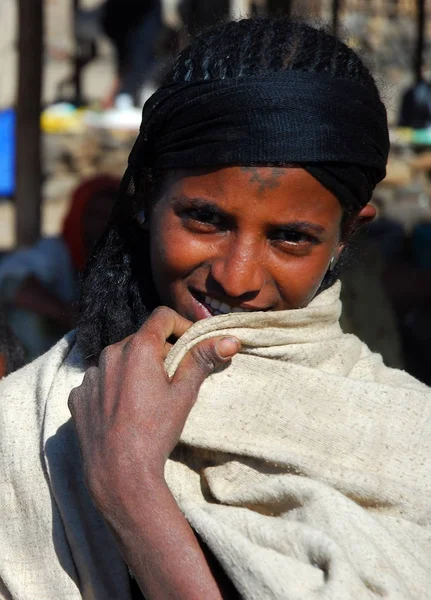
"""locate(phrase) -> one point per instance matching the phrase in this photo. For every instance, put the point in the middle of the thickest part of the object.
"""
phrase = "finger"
(159, 327)
(168, 322)
(85, 389)
(204, 358)
(163, 323)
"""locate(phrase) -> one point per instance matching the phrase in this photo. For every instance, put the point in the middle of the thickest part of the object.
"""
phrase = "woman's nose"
(239, 270)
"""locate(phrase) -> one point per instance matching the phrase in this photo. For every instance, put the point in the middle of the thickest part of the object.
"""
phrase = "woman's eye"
(206, 217)
(293, 237)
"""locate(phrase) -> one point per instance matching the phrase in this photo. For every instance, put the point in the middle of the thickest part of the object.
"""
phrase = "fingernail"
(227, 347)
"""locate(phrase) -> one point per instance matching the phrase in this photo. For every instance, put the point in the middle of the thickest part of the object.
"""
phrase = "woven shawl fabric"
(305, 466)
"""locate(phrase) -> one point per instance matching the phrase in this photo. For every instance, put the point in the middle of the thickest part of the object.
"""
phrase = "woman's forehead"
(269, 189)
(257, 180)
(215, 178)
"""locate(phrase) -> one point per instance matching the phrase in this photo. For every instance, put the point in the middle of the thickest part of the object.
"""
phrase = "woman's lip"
(247, 307)
(200, 309)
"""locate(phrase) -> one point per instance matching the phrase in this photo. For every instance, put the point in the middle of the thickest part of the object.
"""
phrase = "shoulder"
(25, 393)
(33, 409)
(370, 366)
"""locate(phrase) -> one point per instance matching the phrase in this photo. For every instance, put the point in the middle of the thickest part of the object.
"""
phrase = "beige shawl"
(305, 466)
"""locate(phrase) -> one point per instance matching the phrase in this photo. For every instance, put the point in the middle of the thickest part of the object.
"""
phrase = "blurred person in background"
(134, 28)
(387, 294)
(39, 285)
(368, 309)
(409, 283)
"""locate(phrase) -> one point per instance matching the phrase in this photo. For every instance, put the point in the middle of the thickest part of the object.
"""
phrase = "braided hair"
(118, 293)
(254, 47)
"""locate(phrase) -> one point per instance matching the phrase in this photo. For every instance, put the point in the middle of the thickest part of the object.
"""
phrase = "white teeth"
(225, 308)
(222, 307)
(212, 302)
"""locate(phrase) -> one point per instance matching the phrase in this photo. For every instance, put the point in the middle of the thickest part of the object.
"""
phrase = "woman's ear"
(363, 217)
(366, 215)
(144, 214)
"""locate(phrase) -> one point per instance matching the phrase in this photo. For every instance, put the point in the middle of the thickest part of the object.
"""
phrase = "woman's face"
(241, 239)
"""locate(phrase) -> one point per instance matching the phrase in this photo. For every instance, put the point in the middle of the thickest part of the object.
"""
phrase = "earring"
(140, 217)
(332, 263)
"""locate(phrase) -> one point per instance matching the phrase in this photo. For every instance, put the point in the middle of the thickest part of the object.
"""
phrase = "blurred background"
(74, 76)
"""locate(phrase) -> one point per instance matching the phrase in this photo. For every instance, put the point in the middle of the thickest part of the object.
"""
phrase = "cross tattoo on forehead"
(268, 181)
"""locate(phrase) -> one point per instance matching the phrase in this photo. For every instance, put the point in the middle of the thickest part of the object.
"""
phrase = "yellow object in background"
(62, 118)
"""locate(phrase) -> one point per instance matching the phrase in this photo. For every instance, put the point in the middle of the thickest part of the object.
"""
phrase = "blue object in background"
(7, 153)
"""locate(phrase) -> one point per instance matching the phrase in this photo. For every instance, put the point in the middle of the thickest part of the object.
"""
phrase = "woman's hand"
(129, 415)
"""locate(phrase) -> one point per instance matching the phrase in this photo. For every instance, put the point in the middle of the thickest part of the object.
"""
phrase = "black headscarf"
(335, 128)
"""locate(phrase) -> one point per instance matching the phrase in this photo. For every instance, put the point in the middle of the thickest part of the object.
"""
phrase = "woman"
(40, 285)
(303, 469)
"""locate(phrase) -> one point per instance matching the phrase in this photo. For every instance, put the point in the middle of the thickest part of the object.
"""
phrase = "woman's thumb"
(226, 347)
(205, 357)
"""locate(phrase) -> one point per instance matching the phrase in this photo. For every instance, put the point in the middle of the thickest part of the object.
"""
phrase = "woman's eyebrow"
(304, 225)
(198, 203)
(205, 204)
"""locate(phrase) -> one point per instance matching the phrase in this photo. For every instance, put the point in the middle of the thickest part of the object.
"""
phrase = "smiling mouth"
(215, 307)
